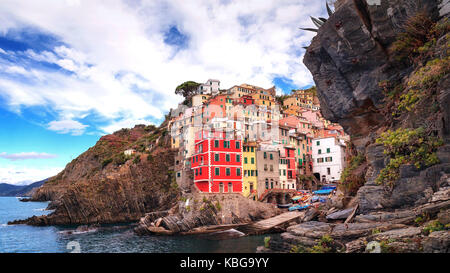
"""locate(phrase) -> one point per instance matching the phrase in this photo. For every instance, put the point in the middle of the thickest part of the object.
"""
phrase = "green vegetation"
(406, 146)
(385, 247)
(266, 242)
(137, 159)
(281, 99)
(218, 206)
(422, 83)
(376, 231)
(106, 162)
(187, 89)
(433, 226)
(418, 39)
(350, 183)
(324, 245)
(121, 158)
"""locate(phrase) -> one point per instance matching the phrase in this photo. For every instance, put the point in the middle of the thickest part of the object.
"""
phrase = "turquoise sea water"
(108, 238)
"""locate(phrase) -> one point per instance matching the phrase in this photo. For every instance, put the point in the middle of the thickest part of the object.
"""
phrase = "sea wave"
(42, 209)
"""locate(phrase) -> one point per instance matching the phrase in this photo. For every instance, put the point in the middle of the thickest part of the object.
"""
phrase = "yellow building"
(301, 99)
(263, 98)
(200, 99)
(250, 171)
(238, 91)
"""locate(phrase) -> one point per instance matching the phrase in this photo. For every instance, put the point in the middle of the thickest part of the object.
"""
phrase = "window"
(238, 171)
(271, 168)
(265, 155)
(216, 144)
(200, 172)
(237, 145)
(216, 157)
(328, 150)
(178, 174)
(318, 143)
(227, 171)
(320, 151)
(217, 171)
(227, 158)
(265, 167)
(253, 149)
(226, 144)
(267, 184)
(328, 171)
(238, 158)
(271, 156)
(245, 160)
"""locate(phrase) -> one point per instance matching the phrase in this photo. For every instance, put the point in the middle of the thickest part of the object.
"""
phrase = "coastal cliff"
(103, 185)
(382, 72)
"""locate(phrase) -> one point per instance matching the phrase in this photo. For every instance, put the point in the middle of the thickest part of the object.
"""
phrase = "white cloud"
(23, 175)
(121, 67)
(67, 126)
(26, 155)
(124, 123)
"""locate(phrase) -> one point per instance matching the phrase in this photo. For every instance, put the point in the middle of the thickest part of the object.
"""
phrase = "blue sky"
(74, 70)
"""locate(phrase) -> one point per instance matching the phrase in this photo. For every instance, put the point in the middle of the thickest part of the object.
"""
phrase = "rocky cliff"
(198, 212)
(382, 72)
(384, 69)
(103, 185)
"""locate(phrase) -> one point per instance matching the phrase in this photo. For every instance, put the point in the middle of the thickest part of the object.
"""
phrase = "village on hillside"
(248, 140)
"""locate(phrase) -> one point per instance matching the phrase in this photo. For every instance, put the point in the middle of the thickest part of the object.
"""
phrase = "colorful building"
(217, 163)
(250, 180)
(267, 162)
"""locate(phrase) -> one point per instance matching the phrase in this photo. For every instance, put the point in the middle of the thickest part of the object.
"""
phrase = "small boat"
(284, 206)
(324, 191)
(296, 198)
(298, 207)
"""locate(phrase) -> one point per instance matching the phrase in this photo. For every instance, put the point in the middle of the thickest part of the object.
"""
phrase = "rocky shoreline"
(421, 229)
(205, 213)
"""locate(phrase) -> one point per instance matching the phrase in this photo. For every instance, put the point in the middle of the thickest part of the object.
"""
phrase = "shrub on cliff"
(350, 181)
(418, 32)
(406, 146)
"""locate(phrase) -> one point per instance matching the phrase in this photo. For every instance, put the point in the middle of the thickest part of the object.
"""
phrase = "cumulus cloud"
(29, 155)
(116, 62)
(23, 175)
(67, 126)
(124, 123)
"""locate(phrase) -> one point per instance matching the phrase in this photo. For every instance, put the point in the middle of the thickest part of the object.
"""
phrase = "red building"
(291, 168)
(245, 100)
(217, 163)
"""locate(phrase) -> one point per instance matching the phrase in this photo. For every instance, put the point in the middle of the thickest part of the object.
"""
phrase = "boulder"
(437, 242)
(342, 214)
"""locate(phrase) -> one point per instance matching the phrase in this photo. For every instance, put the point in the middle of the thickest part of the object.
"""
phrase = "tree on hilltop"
(187, 89)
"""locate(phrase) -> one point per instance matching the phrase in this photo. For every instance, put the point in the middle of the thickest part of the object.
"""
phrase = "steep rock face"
(104, 186)
(349, 58)
(201, 210)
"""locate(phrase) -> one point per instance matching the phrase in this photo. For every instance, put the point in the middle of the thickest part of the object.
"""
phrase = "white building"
(129, 152)
(328, 158)
(209, 87)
